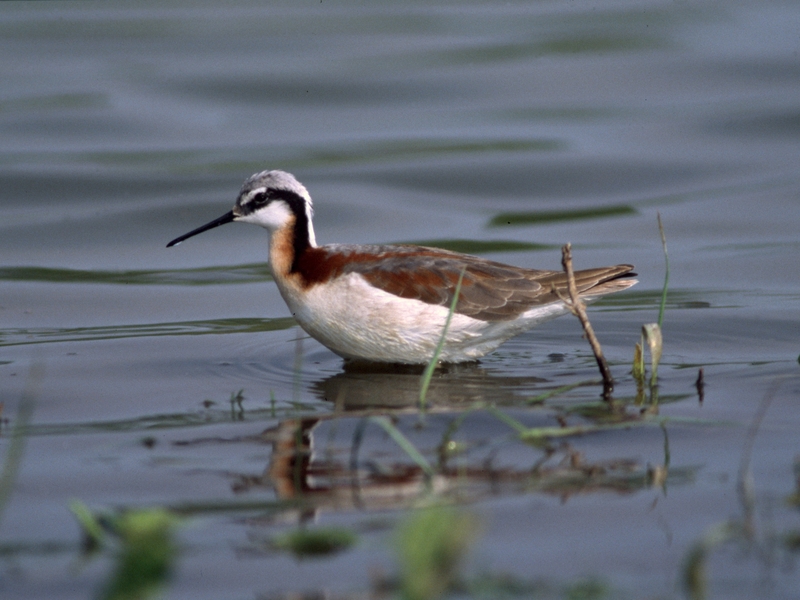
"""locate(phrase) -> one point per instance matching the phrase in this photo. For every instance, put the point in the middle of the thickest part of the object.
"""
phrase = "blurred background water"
(505, 129)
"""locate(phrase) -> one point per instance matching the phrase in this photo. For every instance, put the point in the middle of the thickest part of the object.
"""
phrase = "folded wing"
(490, 291)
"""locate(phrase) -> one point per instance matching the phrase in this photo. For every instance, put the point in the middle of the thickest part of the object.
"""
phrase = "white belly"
(358, 321)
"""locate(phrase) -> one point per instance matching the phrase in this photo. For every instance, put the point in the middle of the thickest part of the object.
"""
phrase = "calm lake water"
(504, 129)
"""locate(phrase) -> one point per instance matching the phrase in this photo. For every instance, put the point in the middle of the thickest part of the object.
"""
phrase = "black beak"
(226, 218)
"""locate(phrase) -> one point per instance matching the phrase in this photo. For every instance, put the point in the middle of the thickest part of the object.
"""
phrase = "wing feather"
(490, 291)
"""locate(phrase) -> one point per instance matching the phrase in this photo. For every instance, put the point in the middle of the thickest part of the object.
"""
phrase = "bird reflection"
(343, 460)
(363, 386)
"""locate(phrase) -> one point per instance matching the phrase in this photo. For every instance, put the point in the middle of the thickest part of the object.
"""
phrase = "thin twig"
(577, 308)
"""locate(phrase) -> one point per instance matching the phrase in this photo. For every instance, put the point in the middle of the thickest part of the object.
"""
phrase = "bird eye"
(257, 199)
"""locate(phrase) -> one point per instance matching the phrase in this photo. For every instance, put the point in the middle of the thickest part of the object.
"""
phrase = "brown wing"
(490, 291)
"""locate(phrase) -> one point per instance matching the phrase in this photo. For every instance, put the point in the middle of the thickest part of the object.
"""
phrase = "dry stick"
(577, 308)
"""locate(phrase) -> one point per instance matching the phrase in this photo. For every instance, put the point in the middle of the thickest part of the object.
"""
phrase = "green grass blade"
(510, 421)
(405, 444)
(428, 374)
(544, 396)
(93, 532)
(666, 273)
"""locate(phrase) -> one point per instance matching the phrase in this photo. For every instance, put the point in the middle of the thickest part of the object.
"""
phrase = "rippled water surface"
(178, 379)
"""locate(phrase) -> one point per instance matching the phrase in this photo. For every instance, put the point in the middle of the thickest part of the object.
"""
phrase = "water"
(122, 127)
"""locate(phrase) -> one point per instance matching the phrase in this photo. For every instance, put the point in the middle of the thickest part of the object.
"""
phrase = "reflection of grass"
(182, 420)
(432, 542)
(742, 531)
(16, 446)
(694, 568)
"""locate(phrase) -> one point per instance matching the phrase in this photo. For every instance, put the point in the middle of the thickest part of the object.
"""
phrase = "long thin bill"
(226, 218)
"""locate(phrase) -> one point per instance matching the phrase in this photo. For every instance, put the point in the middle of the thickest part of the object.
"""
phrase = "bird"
(389, 303)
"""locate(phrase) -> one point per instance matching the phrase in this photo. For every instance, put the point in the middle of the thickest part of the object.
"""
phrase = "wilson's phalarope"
(389, 303)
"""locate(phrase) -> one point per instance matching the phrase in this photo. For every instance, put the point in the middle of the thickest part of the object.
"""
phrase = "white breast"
(358, 321)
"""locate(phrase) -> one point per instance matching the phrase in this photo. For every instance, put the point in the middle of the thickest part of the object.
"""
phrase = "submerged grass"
(316, 542)
(430, 546)
(539, 435)
(694, 575)
(141, 542)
